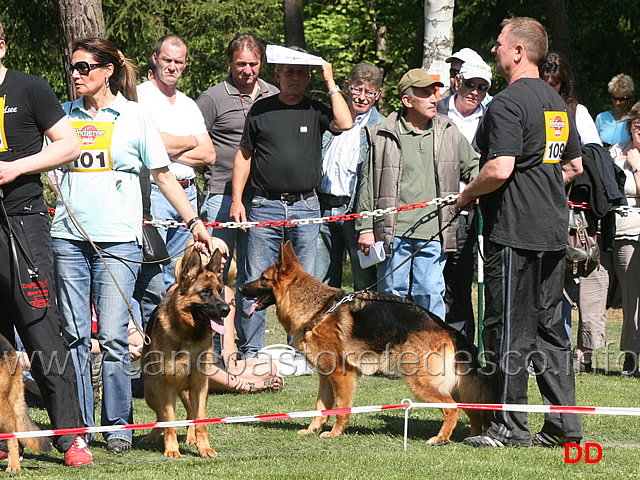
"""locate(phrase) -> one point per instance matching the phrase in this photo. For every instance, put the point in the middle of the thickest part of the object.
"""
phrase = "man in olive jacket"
(415, 155)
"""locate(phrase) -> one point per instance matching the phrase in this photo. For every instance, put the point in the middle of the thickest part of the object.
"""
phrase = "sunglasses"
(83, 67)
(620, 99)
(471, 85)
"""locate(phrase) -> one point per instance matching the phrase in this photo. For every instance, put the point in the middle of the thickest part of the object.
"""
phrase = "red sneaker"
(78, 454)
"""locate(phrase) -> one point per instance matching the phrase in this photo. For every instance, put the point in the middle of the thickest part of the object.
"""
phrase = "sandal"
(273, 384)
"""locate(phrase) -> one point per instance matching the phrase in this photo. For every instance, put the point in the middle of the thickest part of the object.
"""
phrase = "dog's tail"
(24, 423)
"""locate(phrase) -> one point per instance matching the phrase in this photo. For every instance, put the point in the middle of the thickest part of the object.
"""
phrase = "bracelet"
(193, 221)
(194, 225)
(636, 170)
(335, 89)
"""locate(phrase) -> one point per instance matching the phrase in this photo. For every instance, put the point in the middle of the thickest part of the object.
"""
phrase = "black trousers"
(523, 290)
(458, 278)
(29, 302)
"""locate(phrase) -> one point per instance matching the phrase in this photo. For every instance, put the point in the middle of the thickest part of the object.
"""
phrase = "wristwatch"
(335, 89)
(637, 169)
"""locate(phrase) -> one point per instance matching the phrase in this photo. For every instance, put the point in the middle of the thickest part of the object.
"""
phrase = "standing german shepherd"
(371, 332)
(14, 416)
(178, 359)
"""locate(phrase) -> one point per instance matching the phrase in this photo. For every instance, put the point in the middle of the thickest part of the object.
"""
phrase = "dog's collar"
(347, 298)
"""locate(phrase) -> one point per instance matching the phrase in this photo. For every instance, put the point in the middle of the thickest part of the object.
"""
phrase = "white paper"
(287, 56)
(376, 255)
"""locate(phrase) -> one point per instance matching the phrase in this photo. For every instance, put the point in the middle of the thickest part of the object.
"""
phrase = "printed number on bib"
(95, 142)
(556, 135)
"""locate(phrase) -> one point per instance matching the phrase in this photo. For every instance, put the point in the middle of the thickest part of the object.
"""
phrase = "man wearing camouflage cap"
(414, 155)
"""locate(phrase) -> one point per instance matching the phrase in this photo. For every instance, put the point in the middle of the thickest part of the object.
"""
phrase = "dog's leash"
(350, 296)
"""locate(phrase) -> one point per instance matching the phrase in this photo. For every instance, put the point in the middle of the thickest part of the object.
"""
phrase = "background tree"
(438, 37)
(79, 19)
(604, 36)
(293, 24)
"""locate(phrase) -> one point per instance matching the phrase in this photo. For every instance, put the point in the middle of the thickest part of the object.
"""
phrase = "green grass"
(372, 447)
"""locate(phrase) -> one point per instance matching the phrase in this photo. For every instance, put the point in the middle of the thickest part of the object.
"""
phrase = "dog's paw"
(437, 441)
(330, 434)
(172, 453)
(208, 452)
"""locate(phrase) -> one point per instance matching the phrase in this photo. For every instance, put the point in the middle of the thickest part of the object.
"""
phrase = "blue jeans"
(81, 276)
(334, 239)
(148, 292)
(215, 208)
(262, 252)
(174, 238)
(421, 279)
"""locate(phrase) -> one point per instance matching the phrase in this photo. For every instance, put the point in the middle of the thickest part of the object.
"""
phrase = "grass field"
(372, 447)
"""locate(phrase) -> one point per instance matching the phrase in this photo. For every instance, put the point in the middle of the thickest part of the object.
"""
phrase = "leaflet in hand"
(376, 255)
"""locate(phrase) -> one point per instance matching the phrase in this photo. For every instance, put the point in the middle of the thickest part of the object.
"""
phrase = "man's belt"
(333, 200)
(284, 196)
(186, 183)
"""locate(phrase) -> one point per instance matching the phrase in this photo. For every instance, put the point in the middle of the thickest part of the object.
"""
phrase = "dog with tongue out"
(179, 357)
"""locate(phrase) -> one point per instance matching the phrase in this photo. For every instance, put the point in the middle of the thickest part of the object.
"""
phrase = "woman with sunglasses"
(100, 204)
(611, 124)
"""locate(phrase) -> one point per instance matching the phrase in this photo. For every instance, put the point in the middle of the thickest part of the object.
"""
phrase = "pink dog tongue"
(221, 329)
(253, 308)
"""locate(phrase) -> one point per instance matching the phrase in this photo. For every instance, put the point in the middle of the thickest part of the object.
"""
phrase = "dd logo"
(587, 453)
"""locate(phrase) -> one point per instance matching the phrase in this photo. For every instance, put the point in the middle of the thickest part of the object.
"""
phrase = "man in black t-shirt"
(529, 150)
(281, 155)
(29, 110)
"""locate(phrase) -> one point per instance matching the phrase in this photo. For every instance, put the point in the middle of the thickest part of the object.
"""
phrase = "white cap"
(465, 55)
(477, 68)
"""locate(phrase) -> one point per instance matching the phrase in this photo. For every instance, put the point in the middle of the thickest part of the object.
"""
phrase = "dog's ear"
(191, 267)
(289, 254)
(215, 262)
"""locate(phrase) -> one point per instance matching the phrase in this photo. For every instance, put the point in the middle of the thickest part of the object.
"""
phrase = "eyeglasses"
(453, 72)
(357, 91)
(636, 124)
(620, 99)
(83, 67)
(471, 85)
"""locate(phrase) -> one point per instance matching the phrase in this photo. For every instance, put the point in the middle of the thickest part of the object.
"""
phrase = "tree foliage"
(605, 36)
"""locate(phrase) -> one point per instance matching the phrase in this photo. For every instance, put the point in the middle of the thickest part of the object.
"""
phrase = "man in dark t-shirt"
(529, 150)
(281, 156)
(29, 111)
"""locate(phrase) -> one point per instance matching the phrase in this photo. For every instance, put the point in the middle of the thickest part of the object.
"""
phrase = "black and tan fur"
(178, 358)
(373, 332)
(14, 415)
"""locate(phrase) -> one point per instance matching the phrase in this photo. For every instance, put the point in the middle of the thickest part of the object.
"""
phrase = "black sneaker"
(542, 439)
(118, 445)
(483, 440)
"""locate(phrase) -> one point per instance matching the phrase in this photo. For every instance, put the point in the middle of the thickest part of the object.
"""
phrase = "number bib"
(95, 142)
(556, 135)
(3, 138)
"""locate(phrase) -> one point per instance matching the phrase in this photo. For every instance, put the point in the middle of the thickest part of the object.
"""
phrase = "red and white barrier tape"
(406, 404)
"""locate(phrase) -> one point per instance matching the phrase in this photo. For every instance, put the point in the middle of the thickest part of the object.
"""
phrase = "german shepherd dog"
(14, 415)
(179, 358)
(371, 332)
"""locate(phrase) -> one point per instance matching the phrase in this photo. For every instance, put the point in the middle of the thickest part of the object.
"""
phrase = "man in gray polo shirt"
(225, 107)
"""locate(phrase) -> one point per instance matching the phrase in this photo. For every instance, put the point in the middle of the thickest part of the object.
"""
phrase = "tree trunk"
(293, 25)
(438, 37)
(79, 19)
(560, 34)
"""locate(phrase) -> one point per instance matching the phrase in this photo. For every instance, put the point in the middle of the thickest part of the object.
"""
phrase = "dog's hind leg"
(198, 397)
(324, 401)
